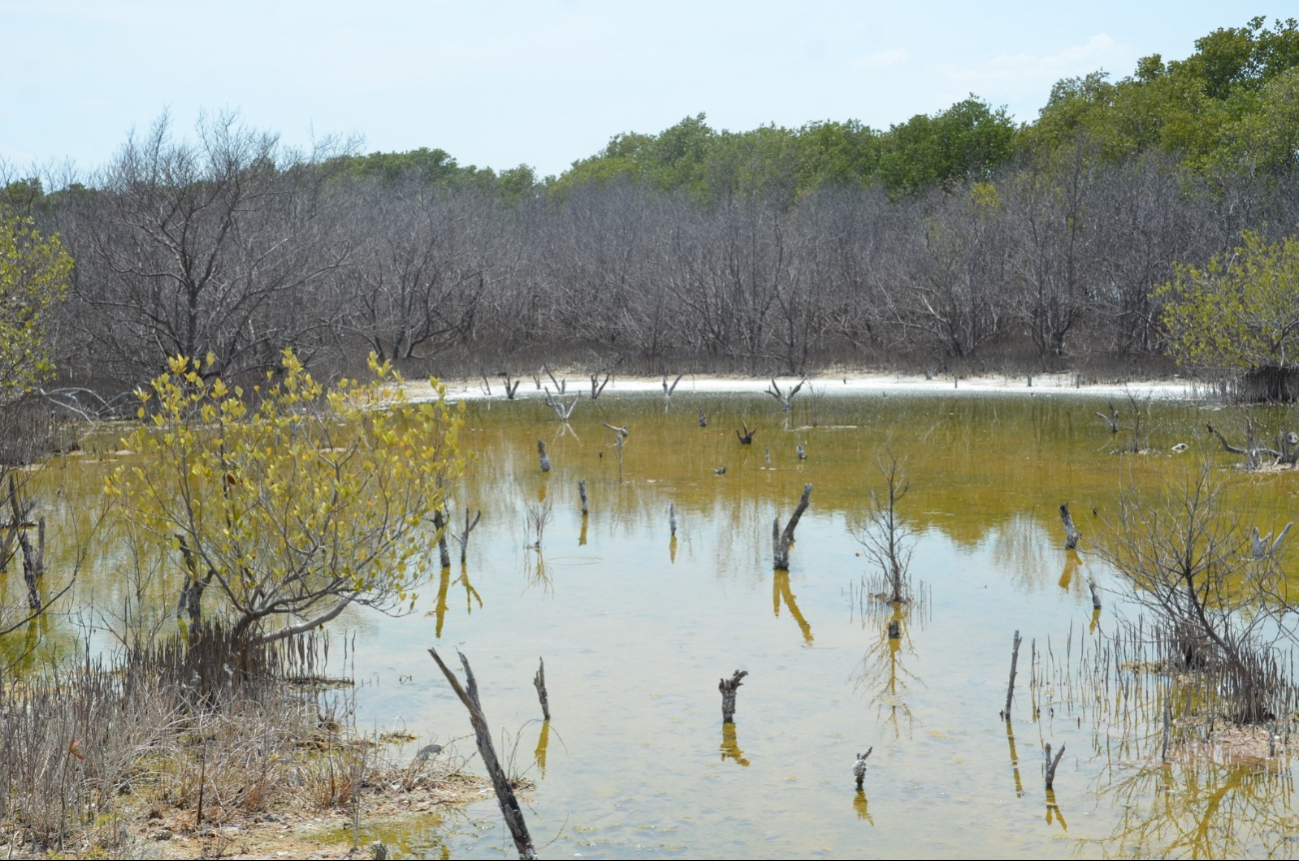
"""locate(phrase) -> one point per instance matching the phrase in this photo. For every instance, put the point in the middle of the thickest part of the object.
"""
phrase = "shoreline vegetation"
(171, 751)
(955, 243)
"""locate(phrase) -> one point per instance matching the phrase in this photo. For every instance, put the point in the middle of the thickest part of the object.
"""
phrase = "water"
(637, 629)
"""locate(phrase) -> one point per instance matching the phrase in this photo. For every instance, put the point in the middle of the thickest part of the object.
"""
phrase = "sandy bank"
(830, 386)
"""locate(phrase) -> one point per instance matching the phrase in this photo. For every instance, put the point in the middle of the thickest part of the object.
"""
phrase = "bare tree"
(422, 265)
(1047, 203)
(1188, 558)
(205, 247)
(887, 539)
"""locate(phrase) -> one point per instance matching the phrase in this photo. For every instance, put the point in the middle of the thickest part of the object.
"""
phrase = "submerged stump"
(729, 687)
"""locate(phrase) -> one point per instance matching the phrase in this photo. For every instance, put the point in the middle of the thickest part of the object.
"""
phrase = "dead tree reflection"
(1053, 813)
(444, 587)
(781, 591)
(1014, 760)
(883, 670)
(861, 807)
(730, 746)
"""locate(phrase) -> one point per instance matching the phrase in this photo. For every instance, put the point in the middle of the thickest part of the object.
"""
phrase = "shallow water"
(636, 629)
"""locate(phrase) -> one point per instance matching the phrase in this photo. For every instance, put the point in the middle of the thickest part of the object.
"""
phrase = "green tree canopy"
(34, 272)
(968, 139)
(1240, 311)
(1225, 102)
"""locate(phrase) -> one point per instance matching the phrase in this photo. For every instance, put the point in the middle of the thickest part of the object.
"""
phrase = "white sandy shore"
(853, 384)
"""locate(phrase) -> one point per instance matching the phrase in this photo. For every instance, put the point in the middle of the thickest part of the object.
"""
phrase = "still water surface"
(637, 628)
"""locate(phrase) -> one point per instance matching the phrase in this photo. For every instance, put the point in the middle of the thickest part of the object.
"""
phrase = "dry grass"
(171, 751)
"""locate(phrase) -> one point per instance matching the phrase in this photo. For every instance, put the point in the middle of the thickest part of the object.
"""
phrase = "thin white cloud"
(882, 59)
(1023, 72)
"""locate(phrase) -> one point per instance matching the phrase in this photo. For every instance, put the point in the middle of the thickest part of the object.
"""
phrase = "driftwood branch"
(562, 410)
(786, 399)
(745, 438)
(1252, 451)
(510, 809)
(1265, 547)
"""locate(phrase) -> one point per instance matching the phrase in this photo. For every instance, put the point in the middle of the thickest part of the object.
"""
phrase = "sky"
(545, 82)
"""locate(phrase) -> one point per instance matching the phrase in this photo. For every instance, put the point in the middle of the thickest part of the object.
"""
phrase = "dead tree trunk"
(581, 490)
(463, 537)
(668, 390)
(728, 687)
(597, 387)
(33, 564)
(1010, 687)
(539, 682)
(782, 541)
(504, 793)
(542, 456)
(1071, 534)
(859, 769)
(672, 518)
(191, 594)
(561, 386)
(745, 438)
(1112, 419)
(1051, 765)
(511, 387)
(440, 522)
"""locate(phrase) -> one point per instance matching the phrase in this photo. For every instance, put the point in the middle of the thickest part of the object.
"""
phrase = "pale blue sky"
(545, 82)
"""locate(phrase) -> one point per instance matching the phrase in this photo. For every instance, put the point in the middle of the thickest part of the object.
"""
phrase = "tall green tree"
(34, 272)
(967, 140)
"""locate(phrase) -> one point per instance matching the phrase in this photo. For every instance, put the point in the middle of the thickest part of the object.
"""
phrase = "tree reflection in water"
(731, 746)
(883, 672)
(1203, 809)
(782, 592)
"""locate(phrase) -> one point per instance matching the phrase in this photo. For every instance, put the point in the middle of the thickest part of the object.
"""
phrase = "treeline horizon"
(955, 242)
